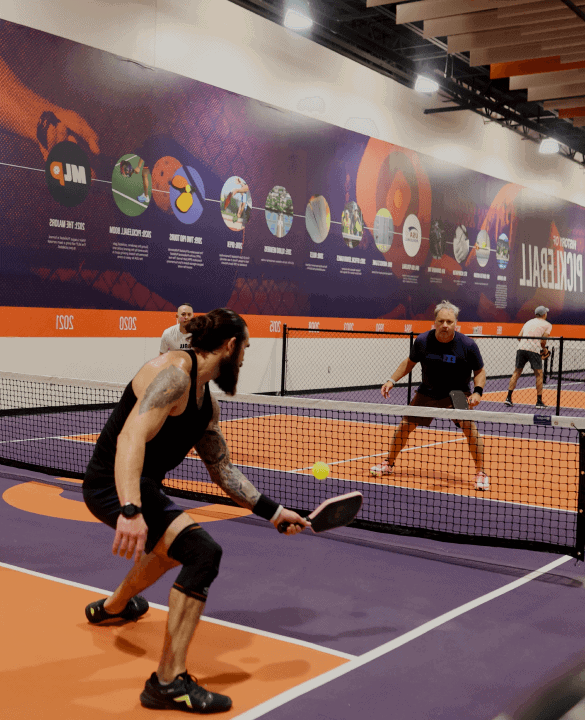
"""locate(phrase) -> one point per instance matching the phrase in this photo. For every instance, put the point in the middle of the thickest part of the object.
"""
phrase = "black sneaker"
(508, 402)
(540, 404)
(182, 694)
(135, 608)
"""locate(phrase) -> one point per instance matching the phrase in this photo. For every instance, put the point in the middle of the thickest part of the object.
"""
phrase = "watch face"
(129, 510)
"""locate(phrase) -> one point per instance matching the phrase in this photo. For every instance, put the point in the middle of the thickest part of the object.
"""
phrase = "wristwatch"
(129, 510)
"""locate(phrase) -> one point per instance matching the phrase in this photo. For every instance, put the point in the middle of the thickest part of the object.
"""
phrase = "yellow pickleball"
(320, 470)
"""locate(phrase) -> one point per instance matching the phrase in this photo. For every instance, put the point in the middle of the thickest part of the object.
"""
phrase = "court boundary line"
(213, 621)
(386, 648)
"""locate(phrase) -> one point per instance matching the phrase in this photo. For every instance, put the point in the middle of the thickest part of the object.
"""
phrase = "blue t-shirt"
(445, 366)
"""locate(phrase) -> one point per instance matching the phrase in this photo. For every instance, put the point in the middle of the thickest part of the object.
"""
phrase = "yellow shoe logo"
(185, 699)
(92, 611)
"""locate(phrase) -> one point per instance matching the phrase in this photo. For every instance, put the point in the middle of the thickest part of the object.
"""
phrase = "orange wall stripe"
(83, 323)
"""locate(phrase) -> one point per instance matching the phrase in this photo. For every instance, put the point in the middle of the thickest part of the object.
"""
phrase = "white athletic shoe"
(382, 469)
(482, 481)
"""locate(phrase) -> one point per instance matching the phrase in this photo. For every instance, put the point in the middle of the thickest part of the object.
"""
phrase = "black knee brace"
(200, 555)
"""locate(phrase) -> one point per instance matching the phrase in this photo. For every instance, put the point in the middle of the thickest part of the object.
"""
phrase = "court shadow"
(284, 620)
(281, 617)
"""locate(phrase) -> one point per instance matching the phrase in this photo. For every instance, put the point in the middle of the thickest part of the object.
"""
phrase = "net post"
(283, 362)
(559, 379)
(580, 536)
(409, 393)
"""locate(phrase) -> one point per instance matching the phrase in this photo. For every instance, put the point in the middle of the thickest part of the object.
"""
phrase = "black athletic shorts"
(524, 356)
(158, 509)
(420, 400)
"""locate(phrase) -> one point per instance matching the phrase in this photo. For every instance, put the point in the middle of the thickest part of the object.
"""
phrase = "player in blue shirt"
(448, 359)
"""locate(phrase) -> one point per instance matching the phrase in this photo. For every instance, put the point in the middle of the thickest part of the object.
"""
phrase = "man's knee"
(200, 556)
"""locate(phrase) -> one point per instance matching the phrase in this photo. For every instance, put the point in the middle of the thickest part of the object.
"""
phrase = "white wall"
(222, 44)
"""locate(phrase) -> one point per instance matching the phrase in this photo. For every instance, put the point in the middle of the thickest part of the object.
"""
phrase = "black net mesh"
(533, 462)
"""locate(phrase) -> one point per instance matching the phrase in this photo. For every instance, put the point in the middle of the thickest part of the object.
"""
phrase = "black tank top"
(167, 448)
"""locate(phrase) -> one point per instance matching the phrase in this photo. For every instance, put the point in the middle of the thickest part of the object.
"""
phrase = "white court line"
(214, 621)
(368, 457)
(388, 647)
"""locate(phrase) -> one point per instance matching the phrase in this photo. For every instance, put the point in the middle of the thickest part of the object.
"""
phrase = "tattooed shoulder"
(166, 388)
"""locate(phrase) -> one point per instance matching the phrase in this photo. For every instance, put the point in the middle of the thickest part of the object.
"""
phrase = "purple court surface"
(431, 630)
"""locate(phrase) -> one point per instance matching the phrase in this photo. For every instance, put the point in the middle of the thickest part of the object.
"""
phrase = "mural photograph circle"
(482, 248)
(235, 203)
(318, 218)
(461, 244)
(352, 224)
(187, 195)
(503, 251)
(437, 239)
(278, 211)
(411, 235)
(131, 185)
(383, 230)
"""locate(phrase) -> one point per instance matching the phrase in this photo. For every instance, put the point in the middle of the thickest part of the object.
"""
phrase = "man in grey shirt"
(176, 337)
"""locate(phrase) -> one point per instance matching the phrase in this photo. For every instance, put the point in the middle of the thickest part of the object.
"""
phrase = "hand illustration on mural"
(26, 113)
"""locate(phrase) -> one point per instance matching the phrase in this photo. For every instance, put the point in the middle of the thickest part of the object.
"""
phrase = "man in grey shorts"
(532, 349)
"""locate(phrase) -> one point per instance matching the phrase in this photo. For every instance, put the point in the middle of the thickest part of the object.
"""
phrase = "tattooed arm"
(213, 450)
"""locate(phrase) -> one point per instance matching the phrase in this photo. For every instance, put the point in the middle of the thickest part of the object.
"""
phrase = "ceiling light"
(296, 20)
(548, 146)
(425, 84)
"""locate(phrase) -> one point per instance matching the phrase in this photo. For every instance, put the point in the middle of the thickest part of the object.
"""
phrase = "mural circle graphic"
(318, 218)
(68, 173)
(235, 203)
(278, 211)
(383, 230)
(482, 248)
(411, 235)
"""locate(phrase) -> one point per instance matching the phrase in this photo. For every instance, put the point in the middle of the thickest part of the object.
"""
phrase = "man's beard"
(229, 371)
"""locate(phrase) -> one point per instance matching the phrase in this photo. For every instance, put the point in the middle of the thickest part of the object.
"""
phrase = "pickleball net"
(535, 464)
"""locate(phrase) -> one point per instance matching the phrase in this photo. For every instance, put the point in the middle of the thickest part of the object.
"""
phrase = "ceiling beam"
(468, 23)
(506, 54)
(569, 25)
(519, 52)
(537, 8)
(432, 9)
(488, 38)
(549, 78)
(564, 103)
(565, 45)
(572, 57)
(555, 91)
(511, 36)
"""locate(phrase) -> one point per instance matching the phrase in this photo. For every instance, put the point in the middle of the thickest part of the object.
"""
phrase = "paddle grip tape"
(200, 556)
(267, 508)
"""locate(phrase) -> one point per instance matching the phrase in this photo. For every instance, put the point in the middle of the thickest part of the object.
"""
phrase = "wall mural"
(123, 187)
